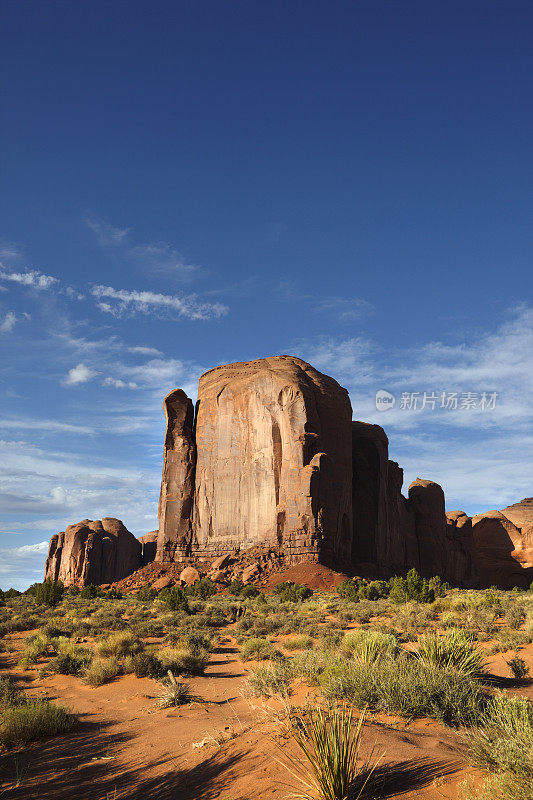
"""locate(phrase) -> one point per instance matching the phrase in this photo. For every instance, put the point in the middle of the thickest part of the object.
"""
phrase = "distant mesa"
(270, 458)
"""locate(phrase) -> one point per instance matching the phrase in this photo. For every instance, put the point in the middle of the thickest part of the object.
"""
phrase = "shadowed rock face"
(504, 545)
(149, 547)
(177, 484)
(273, 463)
(93, 552)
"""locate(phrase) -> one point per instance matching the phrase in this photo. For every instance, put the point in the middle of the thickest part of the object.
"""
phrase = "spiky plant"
(330, 768)
(369, 646)
(176, 693)
(451, 651)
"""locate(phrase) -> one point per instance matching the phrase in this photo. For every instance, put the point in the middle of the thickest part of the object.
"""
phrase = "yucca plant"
(369, 646)
(331, 768)
(176, 693)
(452, 651)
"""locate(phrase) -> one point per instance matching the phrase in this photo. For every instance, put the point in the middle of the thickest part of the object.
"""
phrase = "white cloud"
(32, 278)
(163, 258)
(146, 302)
(79, 374)
(145, 351)
(117, 383)
(8, 323)
(36, 425)
(106, 234)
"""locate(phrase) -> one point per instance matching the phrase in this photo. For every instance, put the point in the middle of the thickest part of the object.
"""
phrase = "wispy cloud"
(8, 323)
(32, 278)
(163, 258)
(124, 301)
(106, 234)
(345, 309)
(36, 425)
(81, 373)
(145, 351)
(118, 383)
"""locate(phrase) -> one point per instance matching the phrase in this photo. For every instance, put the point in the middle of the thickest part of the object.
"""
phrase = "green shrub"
(174, 598)
(292, 592)
(147, 665)
(258, 649)
(518, 667)
(122, 643)
(413, 587)
(146, 594)
(348, 590)
(267, 681)
(504, 740)
(70, 660)
(236, 587)
(248, 592)
(203, 588)
(452, 651)
(48, 593)
(369, 646)
(101, 670)
(405, 686)
(302, 642)
(31, 720)
(183, 661)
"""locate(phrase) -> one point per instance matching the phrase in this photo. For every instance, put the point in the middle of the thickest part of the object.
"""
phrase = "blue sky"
(187, 184)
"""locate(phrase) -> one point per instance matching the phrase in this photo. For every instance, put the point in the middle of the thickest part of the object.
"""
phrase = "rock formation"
(93, 552)
(270, 462)
(504, 545)
(273, 458)
(149, 547)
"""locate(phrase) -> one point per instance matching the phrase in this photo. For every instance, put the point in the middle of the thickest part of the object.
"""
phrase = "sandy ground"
(224, 745)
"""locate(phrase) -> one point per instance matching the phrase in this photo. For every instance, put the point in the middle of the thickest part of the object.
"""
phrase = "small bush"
(292, 592)
(301, 642)
(101, 670)
(452, 651)
(119, 644)
(48, 593)
(504, 740)
(258, 649)
(174, 598)
(413, 587)
(347, 589)
(236, 587)
(204, 588)
(147, 665)
(518, 667)
(183, 661)
(369, 646)
(70, 661)
(269, 681)
(175, 693)
(32, 720)
(146, 594)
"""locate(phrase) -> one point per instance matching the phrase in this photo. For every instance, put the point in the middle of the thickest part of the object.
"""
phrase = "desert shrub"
(26, 720)
(405, 686)
(70, 660)
(174, 598)
(101, 670)
(512, 640)
(515, 615)
(91, 591)
(310, 664)
(248, 592)
(147, 665)
(301, 642)
(146, 594)
(197, 641)
(412, 587)
(235, 586)
(518, 667)
(175, 692)
(183, 661)
(481, 619)
(267, 681)
(348, 590)
(119, 644)
(289, 592)
(203, 588)
(258, 649)
(439, 587)
(503, 742)
(48, 593)
(491, 598)
(369, 646)
(453, 651)
(35, 647)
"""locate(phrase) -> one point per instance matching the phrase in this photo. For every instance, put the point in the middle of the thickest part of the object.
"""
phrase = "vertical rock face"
(426, 501)
(177, 484)
(149, 547)
(93, 552)
(273, 440)
(504, 550)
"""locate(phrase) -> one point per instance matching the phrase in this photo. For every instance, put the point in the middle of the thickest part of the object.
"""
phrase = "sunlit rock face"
(93, 552)
(504, 545)
(273, 462)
